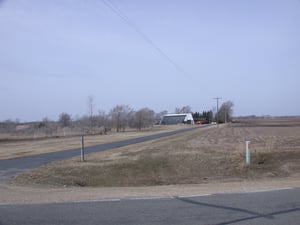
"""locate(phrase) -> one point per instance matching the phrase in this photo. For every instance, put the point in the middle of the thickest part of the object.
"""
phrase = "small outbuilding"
(171, 119)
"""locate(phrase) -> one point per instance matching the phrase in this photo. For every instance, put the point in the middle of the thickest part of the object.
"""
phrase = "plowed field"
(200, 156)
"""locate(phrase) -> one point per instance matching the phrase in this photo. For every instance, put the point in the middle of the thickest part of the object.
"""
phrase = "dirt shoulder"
(11, 194)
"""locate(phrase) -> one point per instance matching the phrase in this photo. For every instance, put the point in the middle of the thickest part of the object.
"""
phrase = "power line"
(123, 16)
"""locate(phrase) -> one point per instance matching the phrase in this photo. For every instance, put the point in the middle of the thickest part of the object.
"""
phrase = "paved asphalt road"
(11, 167)
(267, 208)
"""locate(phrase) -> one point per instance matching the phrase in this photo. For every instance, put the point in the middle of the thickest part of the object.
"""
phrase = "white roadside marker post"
(82, 148)
(248, 153)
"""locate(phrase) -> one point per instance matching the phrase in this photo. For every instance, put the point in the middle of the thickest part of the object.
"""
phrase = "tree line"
(119, 118)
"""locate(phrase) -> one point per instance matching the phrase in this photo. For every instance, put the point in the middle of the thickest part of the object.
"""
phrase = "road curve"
(12, 167)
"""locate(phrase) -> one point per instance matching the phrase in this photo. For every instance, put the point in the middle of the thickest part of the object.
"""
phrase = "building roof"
(177, 119)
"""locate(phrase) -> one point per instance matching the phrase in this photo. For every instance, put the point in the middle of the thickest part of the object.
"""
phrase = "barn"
(171, 119)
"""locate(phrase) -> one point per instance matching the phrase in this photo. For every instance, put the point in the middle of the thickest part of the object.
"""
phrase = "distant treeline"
(118, 119)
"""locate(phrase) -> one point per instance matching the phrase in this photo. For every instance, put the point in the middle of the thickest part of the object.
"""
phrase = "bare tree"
(120, 116)
(8, 126)
(91, 106)
(48, 127)
(184, 109)
(144, 118)
(64, 119)
(103, 121)
(225, 112)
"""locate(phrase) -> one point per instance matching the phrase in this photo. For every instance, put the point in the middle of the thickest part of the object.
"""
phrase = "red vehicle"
(200, 122)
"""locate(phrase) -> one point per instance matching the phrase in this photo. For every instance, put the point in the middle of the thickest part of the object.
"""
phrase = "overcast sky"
(142, 53)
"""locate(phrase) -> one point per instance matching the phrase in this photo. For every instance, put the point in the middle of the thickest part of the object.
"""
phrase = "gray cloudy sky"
(54, 54)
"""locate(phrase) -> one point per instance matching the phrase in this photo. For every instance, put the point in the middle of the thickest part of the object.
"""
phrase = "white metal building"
(171, 119)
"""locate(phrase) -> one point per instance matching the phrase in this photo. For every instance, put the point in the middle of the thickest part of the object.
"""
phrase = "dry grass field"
(18, 147)
(200, 156)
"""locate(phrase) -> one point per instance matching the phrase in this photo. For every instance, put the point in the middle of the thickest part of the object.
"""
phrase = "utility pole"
(217, 98)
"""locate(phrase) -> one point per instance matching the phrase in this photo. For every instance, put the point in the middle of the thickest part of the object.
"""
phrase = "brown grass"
(198, 156)
(18, 148)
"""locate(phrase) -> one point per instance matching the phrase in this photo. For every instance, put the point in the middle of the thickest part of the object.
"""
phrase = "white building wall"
(187, 117)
